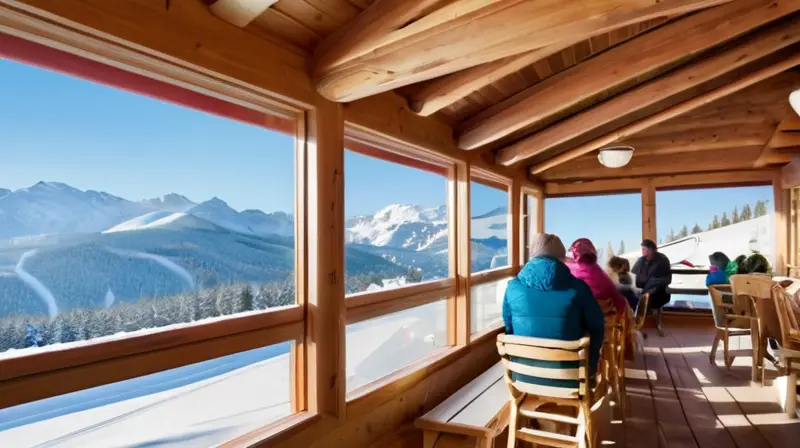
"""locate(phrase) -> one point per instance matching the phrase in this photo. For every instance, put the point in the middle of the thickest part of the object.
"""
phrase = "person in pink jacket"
(584, 266)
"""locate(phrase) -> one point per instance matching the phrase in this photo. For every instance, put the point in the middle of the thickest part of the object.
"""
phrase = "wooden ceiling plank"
(671, 112)
(620, 65)
(780, 140)
(466, 33)
(240, 12)
(651, 93)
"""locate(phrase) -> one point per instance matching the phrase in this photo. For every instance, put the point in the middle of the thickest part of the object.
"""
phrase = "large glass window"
(486, 301)
(396, 225)
(612, 222)
(489, 230)
(121, 214)
(380, 346)
(202, 404)
(693, 224)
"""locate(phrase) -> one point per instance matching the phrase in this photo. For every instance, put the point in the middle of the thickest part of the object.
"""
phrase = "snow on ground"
(207, 403)
(161, 219)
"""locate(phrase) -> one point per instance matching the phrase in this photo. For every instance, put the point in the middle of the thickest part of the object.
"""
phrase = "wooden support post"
(649, 212)
(781, 203)
(540, 213)
(463, 268)
(325, 310)
(786, 390)
(452, 252)
(300, 348)
(516, 225)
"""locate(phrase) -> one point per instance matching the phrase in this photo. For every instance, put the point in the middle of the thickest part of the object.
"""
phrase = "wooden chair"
(640, 315)
(732, 317)
(758, 289)
(789, 350)
(531, 400)
(613, 361)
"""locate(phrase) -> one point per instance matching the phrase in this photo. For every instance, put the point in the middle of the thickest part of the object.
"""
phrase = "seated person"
(721, 269)
(620, 272)
(756, 264)
(584, 266)
(546, 301)
(653, 273)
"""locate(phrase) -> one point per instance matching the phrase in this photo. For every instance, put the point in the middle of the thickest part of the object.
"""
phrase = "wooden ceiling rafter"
(444, 41)
(642, 57)
(782, 145)
(645, 95)
(669, 113)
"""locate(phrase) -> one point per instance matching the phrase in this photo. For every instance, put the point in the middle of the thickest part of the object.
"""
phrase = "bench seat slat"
(488, 409)
(450, 407)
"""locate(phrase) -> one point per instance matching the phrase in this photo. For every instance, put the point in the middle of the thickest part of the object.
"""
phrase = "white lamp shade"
(616, 157)
(794, 100)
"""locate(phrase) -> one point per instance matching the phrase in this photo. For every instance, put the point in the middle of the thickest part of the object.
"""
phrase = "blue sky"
(60, 128)
(617, 218)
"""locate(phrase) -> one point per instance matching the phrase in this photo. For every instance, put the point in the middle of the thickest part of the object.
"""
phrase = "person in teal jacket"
(546, 301)
(721, 269)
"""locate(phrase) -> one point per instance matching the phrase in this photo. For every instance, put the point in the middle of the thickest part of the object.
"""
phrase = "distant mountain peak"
(502, 210)
(171, 201)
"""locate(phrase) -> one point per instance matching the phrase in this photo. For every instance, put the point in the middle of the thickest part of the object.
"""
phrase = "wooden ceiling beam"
(671, 112)
(239, 12)
(463, 34)
(780, 147)
(649, 94)
(707, 161)
(640, 57)
(684, 181)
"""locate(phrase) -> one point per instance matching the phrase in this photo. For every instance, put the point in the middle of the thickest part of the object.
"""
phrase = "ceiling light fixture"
(615, 156)
(794, 100)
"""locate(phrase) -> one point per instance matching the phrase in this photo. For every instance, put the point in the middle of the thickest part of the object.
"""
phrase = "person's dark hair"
(619, 265)
(649, 244)
(719, 260)
(756, 264)
(740, 262)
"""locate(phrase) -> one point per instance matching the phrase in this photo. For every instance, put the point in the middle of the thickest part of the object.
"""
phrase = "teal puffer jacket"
(547, 301)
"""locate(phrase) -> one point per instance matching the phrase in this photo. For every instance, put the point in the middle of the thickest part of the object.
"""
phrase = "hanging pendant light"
(794, 100)
(615, 156)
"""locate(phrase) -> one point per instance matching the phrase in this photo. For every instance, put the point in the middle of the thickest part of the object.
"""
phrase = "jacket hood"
(545, 274)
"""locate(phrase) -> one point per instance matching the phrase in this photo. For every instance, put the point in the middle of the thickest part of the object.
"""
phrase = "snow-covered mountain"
(54, 207)
(249, 221)
(398, 225)
(172, 202)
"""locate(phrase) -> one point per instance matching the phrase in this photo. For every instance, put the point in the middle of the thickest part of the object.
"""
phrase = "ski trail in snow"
(163, 261)
(37, 286)
(109, 299)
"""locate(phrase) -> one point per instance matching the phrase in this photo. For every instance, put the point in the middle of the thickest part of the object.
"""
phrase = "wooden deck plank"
(708, 430)
(640, 424)
(762, 410)
(713, 380)
(669, 411)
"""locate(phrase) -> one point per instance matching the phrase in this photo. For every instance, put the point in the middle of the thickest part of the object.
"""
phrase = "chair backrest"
(539, 349)
(717, 302)
(788, 321)
(758, 287)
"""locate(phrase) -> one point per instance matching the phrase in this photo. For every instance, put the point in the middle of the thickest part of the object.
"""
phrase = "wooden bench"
(479, 409)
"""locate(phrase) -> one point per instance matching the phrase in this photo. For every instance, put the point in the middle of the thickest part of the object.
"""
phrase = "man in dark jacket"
(653, 274)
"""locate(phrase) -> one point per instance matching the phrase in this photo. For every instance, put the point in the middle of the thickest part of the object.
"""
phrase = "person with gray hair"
(546, 301)
(547, 244)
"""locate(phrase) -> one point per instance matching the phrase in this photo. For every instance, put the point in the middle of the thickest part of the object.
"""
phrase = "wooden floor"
(677, 399)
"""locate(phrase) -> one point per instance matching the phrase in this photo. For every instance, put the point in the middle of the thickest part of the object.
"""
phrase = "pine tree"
(747, 213)
(671, 237)
(725, 221)
(32, 338)
(696, 229)
(760, 209)
(414, 275)
(735, 215)
(715, 223)
(683, 233)
(621, 248)
(609, 252)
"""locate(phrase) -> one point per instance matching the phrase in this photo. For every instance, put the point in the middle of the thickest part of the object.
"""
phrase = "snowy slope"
(398, 225)
(164, 220)
(249, 221)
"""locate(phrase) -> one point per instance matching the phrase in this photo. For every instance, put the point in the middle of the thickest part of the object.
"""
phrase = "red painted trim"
(31, 53)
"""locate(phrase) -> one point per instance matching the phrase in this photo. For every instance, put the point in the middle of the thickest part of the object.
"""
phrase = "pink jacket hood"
(599, 282)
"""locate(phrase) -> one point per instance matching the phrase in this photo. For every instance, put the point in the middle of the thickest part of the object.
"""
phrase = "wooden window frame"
(368, 305)
(46, 374)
